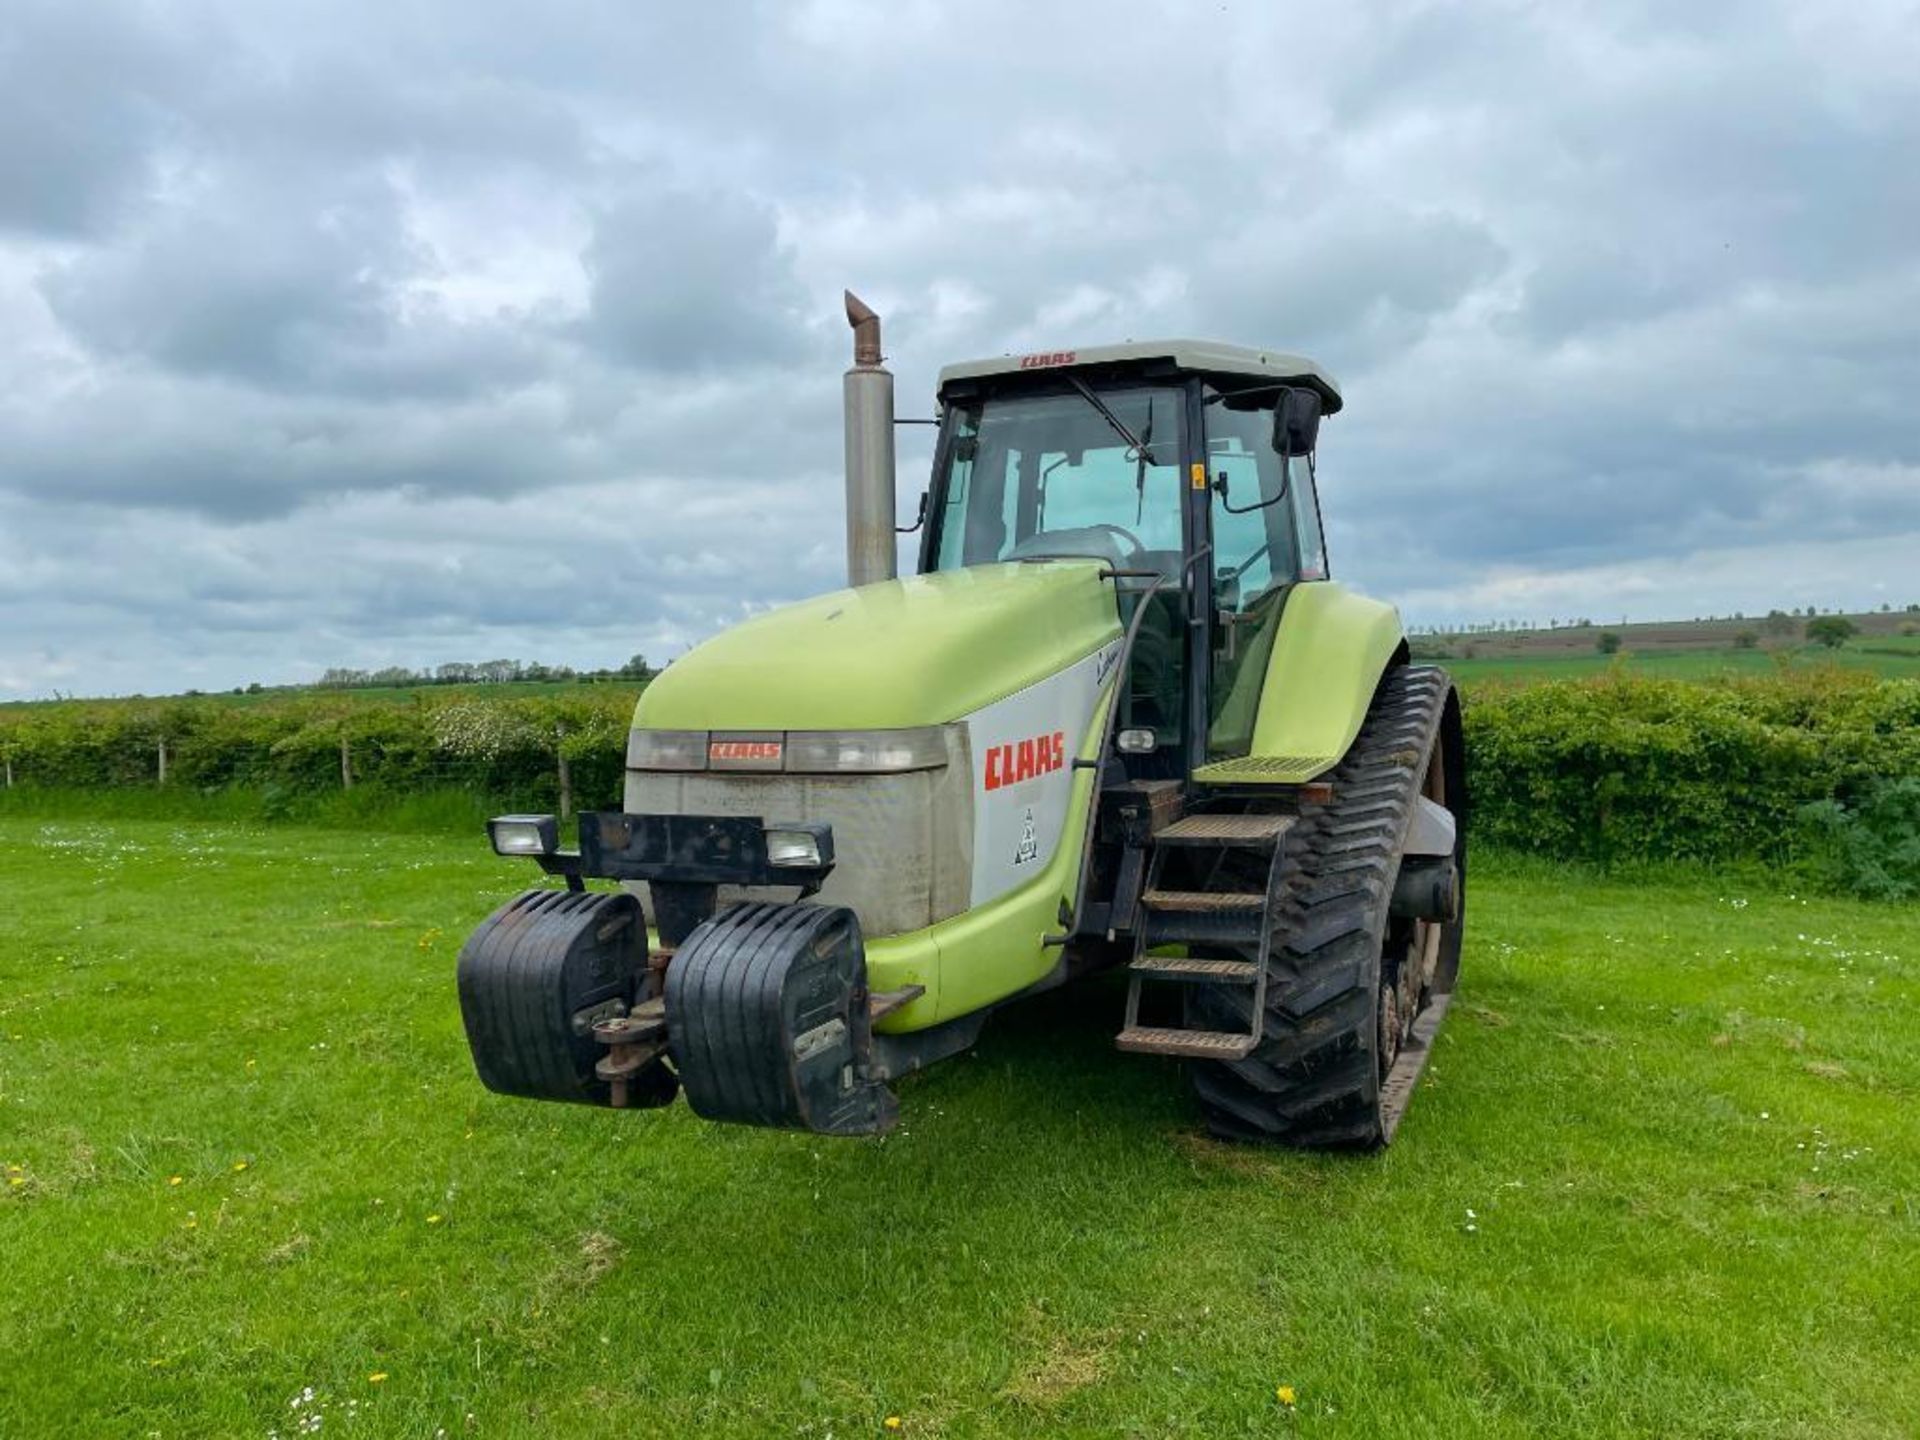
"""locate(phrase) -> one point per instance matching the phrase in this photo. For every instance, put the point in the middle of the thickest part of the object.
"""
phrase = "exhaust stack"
(868, 389)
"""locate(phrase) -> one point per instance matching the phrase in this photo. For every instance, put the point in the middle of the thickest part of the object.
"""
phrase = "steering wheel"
(1132, 539)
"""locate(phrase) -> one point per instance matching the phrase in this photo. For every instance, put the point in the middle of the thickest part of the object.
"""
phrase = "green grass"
(1885, 656)
(442, 809)
(1664, 1180)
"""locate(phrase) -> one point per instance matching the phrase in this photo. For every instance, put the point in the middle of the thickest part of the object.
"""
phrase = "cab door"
(1265, 537)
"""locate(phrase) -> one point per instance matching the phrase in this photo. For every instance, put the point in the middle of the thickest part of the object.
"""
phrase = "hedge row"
(516, 749)
(1619, 766)
(1607, 768)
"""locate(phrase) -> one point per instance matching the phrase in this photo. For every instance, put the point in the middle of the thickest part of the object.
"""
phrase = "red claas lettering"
(1011, 763)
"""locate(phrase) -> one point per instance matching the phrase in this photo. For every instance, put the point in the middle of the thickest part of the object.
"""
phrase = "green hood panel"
(918, 651)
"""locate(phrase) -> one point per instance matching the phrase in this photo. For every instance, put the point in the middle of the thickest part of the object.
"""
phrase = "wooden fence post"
(566, 775)
(163, 760)
(346, 765)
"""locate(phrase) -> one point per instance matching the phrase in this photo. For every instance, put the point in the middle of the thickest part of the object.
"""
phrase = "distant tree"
(1831, 631)
(1745, 640)
(1779, 622)
(1608, 642)
(637, 668)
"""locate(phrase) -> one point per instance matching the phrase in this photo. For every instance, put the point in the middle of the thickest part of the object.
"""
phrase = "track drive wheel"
(1354, 995)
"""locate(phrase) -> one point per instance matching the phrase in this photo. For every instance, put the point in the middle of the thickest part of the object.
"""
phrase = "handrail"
(1106, 742)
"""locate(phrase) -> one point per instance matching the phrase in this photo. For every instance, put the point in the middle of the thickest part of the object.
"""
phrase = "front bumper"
(684, 859)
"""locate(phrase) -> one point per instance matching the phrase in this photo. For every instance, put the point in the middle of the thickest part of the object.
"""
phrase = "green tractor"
(1120, 718)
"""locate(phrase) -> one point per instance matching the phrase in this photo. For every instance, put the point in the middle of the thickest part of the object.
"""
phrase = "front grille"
(902, 843)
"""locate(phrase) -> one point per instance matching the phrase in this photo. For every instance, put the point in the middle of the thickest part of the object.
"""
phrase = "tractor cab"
(1188, 469)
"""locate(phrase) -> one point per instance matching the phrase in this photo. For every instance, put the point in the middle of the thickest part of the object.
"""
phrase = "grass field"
(1676, 650)
(1885, 658)
(1664, 1180)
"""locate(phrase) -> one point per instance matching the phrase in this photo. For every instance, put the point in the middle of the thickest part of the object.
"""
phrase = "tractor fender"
(1328, 653)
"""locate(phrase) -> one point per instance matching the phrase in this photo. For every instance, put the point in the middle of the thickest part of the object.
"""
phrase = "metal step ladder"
(1231, 919)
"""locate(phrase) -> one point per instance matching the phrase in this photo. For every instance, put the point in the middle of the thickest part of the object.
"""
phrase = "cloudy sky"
(357, 333)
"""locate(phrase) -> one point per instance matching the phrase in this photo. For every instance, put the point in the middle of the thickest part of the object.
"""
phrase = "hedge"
(1608, 768)
(1618, 766)
(516, 749)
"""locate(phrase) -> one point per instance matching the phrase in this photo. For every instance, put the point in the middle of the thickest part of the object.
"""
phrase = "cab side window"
(1306, 520)
(1253, 522)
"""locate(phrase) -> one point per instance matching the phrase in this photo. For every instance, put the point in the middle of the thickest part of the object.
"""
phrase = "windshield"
(1058, 474)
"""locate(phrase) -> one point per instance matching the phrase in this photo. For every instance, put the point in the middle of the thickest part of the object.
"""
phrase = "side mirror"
(1296, 422)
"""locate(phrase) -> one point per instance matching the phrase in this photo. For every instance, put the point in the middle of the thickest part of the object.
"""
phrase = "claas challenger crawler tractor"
(1120, 718)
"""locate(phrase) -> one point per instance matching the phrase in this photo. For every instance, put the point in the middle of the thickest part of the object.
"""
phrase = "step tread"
(1193, 1044)
(1203, 900)
(1166, 967)
(1253, 830)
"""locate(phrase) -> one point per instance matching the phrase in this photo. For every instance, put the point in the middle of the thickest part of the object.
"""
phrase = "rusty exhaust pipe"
(868, 393)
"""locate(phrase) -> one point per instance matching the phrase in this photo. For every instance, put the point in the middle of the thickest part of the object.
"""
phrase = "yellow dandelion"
(433, 1219)
(238, 1166)
(16, 1179)
(1284, 1394)
(892, 1422)
(250, 1063)
(192, 1224)
(376, 1377)
(15, 1169)
(173, 1180)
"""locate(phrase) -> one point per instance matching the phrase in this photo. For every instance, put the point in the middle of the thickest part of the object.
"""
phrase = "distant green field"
(1897, 644)
(1662, 1179)
(1895, 657)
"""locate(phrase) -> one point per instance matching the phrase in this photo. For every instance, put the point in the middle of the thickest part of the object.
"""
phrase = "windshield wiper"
(1138, 445)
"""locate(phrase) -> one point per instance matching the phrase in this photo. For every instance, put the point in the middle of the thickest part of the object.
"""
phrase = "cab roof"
(1208, 357)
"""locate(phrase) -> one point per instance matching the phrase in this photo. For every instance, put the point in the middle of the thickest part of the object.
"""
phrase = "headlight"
(793, 847)
(854, 752)
(667, 750)
(524, 834)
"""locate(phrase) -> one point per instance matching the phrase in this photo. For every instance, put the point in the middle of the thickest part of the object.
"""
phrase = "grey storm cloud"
(682, 280)
(365, 334)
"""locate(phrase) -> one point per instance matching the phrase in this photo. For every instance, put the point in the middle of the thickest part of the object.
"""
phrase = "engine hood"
(918, 651)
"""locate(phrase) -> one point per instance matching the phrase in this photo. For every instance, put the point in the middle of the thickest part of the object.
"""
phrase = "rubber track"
(1315, 1081)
